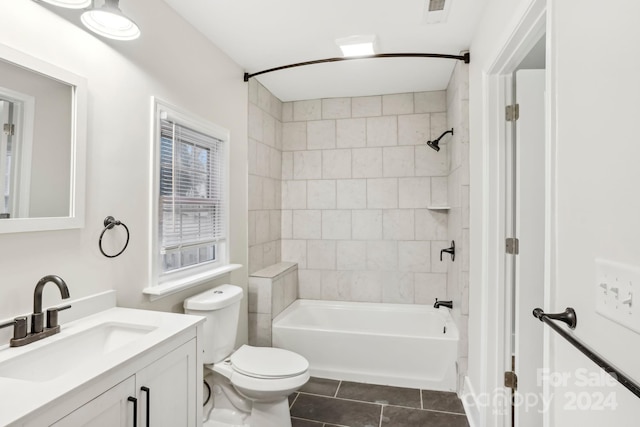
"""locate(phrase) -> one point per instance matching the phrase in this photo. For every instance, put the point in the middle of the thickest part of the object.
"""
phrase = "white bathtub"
(391, 344)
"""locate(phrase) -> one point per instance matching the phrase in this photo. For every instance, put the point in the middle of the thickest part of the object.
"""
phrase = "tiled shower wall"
(357, 184)
(265, 171)
(458, 182)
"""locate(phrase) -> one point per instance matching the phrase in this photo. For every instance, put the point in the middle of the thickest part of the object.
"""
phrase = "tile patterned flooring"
(330, 403)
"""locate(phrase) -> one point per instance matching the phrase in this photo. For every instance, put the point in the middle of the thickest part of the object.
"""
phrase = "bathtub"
(400, 345)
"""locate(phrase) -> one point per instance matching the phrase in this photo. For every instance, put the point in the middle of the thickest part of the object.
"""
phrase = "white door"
(530, 230)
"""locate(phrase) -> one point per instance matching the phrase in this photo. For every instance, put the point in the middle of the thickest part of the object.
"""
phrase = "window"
(190, 182)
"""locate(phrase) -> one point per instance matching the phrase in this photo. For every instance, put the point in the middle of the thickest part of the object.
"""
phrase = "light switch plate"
(618, 293)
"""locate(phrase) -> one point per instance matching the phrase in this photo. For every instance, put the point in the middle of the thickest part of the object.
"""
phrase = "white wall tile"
(336, 224)
(321, 254)
(275, 227)
(398, 224)
(255, 258)
(430, 162)
(414, 256)
(382, 131)
(259, 290)
(366, 106)
(287, 165)
(263, 223)
(439, 191)
(430, 102)
(295, 251)
(321, 194)
(287, 224)
(400, 103)
(307, 224)
(398, 288)
(294, 136)
(429, 286)
(255, 122)
(251, 229)
(351, 133)
(268, 130)
(366, 286)
(310, 284)
(439, 126)
(321, 134)
(382, 193)
(260, 329)
(431, 225)
(336, 285)
(351, 194)
(307, 110)
(252, 156)
(398, 161)
(290, 287)
(253, 91)
(307, 165)
(269, 193)
(277, 296)
(275, 163)
(382, 255)
(287, 112)
(414, 192)
(367, 162)
(294, 194)
(351, 255)
(414, 129)
(264, 101)
(366, 224)
(336, 164)
(263, 160)
(336, 108)
(255, 192)
(269, 254)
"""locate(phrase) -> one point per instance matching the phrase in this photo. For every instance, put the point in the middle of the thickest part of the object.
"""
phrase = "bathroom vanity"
(118, 367)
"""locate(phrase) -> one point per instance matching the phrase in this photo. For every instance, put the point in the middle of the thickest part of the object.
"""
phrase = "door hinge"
(512, 246)
(512, 112)
(511, 380)
(9, 129)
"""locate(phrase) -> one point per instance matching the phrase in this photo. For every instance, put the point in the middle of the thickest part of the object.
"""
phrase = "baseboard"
(470, 403)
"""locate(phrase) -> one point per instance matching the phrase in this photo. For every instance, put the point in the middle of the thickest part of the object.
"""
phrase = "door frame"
(536, 21)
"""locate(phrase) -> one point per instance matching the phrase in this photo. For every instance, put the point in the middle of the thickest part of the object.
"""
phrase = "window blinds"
(192, 198)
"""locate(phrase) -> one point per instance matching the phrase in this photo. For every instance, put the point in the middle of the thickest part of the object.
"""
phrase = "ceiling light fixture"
(69, 4)
(109, 21)
(357, 45)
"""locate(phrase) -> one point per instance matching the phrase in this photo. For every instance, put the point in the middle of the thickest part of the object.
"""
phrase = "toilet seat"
(268, 362)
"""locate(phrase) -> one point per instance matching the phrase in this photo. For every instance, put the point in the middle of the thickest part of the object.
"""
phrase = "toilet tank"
(221, 307)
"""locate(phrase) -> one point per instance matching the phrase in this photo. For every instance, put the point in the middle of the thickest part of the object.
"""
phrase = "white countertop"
(20, 398)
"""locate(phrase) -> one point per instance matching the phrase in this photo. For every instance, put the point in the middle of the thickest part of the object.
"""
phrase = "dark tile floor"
(330, 403)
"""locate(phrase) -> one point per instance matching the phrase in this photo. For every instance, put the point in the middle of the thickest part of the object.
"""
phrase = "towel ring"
(109, 223)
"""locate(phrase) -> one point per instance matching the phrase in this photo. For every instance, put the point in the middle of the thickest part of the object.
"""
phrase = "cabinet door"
(167, 390)
(111, 409)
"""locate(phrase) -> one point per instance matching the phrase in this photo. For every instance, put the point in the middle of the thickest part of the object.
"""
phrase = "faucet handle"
(19, 327)
(52, 315)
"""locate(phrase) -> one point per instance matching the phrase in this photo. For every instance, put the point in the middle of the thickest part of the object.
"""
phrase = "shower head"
(434, 144)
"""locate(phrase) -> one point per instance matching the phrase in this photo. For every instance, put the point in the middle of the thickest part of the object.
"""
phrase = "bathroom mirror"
(42, 144)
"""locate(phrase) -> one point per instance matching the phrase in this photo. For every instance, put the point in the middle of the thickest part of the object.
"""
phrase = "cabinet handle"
(135, 410)
(146, 390)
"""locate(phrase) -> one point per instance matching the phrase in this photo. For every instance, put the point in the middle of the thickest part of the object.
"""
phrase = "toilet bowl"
(249, 386)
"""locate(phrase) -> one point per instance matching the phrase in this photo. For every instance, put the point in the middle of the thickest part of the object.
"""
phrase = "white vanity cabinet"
(166, 387)
(158, 376)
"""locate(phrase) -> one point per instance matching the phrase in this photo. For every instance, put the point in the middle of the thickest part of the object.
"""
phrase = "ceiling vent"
(436, 11)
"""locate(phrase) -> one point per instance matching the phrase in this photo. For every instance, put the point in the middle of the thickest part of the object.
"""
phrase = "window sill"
(168, 288)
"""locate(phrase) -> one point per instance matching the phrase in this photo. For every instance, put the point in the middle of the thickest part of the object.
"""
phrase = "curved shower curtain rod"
(466, 57)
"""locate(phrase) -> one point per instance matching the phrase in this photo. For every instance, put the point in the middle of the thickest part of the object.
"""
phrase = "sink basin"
(63, 355)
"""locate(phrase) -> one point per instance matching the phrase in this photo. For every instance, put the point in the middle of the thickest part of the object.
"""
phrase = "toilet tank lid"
(214, 299)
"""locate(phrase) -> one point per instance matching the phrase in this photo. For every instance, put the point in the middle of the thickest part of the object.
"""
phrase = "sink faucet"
(37, 316)
(38, 331)
(438, 304)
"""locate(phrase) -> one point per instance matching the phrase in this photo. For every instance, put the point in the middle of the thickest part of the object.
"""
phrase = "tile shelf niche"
(439, 208)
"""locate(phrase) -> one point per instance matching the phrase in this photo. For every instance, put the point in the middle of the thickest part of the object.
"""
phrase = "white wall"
(172, 61)
(594, 65)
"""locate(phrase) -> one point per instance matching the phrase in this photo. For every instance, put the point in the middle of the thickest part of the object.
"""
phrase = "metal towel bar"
(570, 318)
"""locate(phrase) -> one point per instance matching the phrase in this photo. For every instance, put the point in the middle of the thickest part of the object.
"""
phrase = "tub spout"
(438, 304)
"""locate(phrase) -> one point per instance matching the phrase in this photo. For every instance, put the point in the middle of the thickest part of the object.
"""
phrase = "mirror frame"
(77, 183)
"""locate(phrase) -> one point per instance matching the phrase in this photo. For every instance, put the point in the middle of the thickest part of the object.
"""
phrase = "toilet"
(249, 386)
